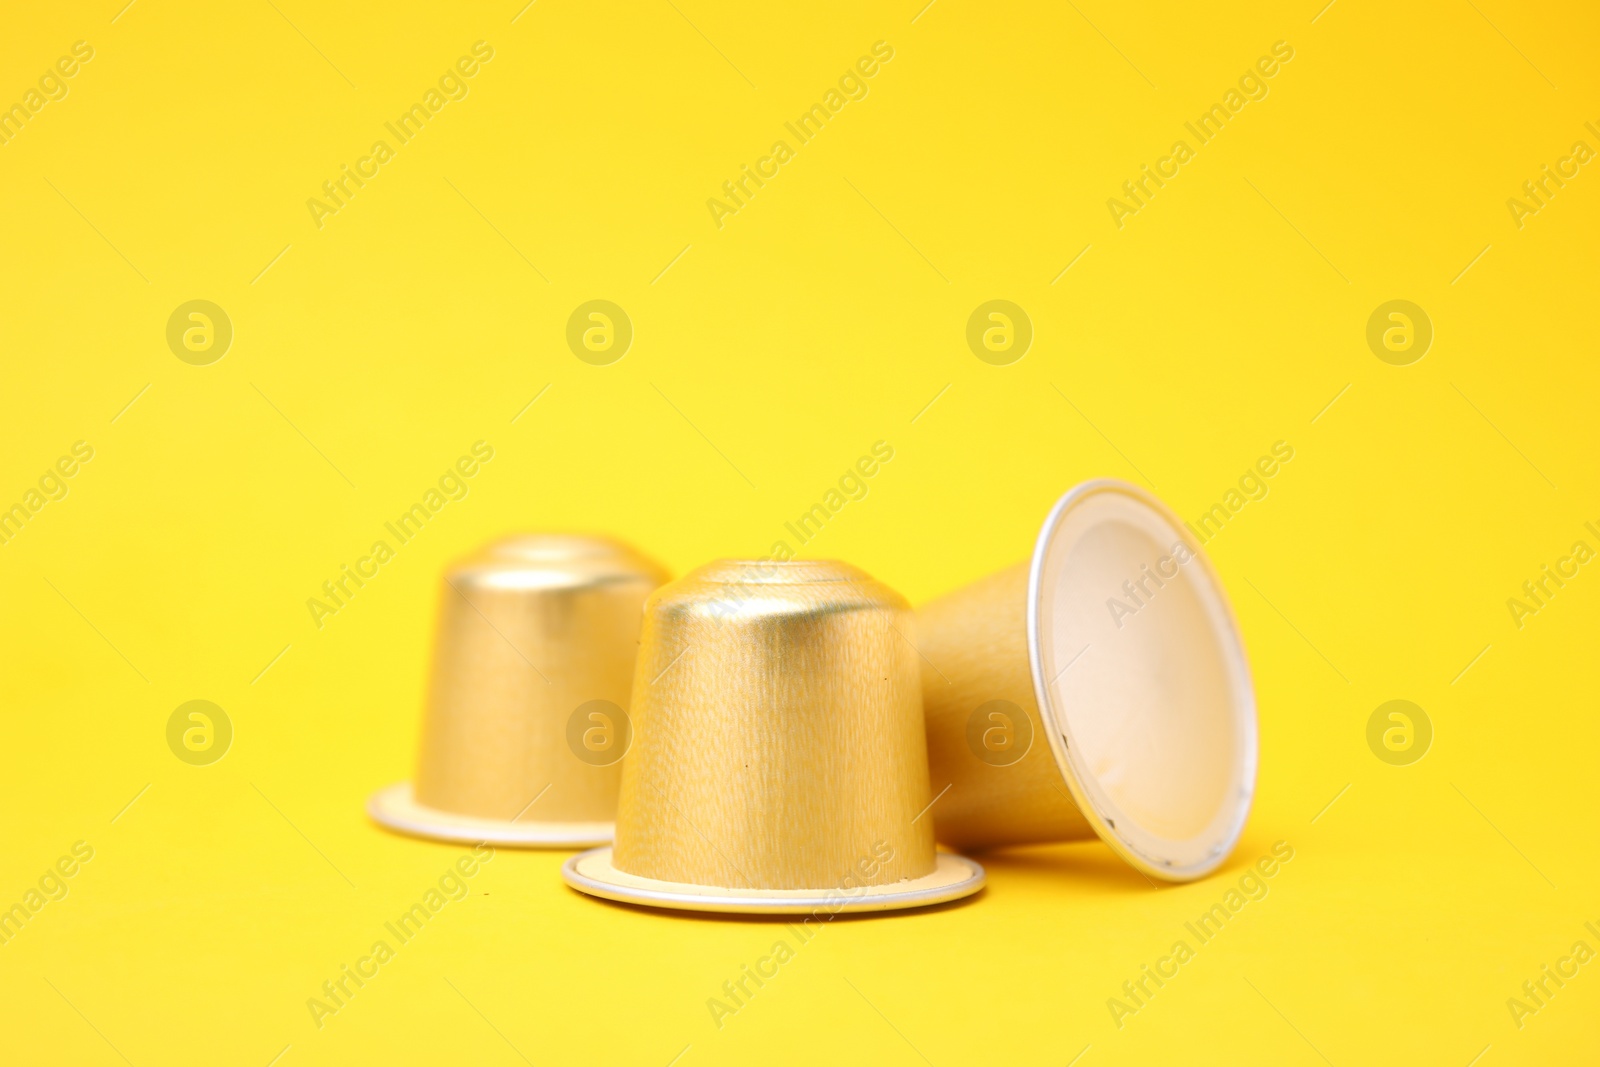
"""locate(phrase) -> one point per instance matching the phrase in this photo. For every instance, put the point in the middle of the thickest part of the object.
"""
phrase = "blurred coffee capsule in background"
(526, 721)
(1099, 688)
(778, 760)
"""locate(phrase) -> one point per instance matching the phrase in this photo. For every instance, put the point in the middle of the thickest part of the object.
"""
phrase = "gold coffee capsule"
(1100, 688)
(526, 720)
(778, 761)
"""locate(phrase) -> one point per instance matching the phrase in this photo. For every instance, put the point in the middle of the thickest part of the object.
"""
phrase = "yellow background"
(824, 316)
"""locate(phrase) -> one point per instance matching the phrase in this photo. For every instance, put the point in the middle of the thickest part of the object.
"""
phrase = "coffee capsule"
(778, 762)
(1099, 688)
(526, 720)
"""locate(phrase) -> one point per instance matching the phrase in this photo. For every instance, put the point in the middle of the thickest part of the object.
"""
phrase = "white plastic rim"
(1142, 681)
(396, 808)
(592, 872)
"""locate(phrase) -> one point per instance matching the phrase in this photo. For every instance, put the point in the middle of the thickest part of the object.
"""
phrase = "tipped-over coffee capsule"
(526, 722)
(778, 761)
(1099, 688)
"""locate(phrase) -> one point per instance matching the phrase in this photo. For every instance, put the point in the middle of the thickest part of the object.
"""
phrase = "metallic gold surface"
(975, 641)
(778, 735)
(530, 629)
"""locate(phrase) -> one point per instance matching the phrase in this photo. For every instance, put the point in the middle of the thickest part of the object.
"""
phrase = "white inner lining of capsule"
(1146, 680)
